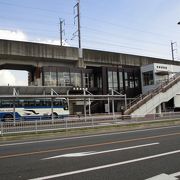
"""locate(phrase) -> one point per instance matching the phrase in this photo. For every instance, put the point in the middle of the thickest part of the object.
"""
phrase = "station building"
(72, 69)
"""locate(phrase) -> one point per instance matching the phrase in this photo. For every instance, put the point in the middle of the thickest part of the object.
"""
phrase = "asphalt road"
(133, 155)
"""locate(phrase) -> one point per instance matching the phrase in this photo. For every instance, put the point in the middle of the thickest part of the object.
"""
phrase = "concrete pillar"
(37, 72)
(163, 107)
(37, 76)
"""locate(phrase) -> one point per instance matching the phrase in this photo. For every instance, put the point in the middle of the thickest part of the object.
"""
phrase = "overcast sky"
(143, 27)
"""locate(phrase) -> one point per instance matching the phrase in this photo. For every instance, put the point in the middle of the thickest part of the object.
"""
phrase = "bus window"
(55, 103)
(7, 104)
(37, 102)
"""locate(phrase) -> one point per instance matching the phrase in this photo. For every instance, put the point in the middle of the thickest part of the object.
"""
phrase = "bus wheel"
(8, 118)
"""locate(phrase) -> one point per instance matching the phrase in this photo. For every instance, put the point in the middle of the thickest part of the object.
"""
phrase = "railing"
(143, 98)
(80, 122)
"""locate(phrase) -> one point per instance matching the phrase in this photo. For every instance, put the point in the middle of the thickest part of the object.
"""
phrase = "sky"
(141, 27)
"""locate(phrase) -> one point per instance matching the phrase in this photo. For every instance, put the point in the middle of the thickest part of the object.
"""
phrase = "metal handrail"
(144, 97)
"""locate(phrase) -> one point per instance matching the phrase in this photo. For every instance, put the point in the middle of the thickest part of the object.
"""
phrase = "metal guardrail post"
(36, 126)
(112, 93)
(84, 104)
(89, 107)
(66, 126)
(14, 113)
(108, 106)
(92, 121)
(1, 129)
(125, 103)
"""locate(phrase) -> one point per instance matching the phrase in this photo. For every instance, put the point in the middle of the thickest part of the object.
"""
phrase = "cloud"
(50, 41)
(7, 78)
(19, 35)
(13, 35)
(11, 78)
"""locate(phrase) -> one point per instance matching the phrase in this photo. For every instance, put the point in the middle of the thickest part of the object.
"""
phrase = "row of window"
(64, 79)
(32, 103)
(116, 78)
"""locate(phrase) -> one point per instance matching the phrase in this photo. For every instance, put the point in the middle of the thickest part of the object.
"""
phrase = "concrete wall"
(32, 53)
(110, 58)
(36, 50)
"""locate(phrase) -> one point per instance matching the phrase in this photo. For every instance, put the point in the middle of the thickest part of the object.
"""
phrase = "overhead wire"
(127, 27)
(96, 30)
(34, 8)
(123, 37)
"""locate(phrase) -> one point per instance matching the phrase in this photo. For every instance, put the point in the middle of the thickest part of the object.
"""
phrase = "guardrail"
(80, 122)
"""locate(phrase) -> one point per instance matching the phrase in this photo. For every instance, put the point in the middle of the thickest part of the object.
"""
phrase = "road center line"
(82, 154)
(106, 166)
(87, 146)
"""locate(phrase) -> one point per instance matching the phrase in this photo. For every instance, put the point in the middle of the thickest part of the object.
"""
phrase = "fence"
(80, 122)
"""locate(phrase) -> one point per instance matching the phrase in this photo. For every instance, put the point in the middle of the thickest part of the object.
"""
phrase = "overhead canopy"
(31, 90)
(162, 73)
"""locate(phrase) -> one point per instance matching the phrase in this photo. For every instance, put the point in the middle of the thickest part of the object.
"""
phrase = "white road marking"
(106, 166)
(88, 136)
(165, 176)
(82, 154)
(176, 174)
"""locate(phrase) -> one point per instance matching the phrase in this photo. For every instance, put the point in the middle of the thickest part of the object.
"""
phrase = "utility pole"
(62, 30)
(78, 33)
(77, 16)
(172, 49)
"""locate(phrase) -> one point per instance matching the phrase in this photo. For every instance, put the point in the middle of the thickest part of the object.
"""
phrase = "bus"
(33, 108)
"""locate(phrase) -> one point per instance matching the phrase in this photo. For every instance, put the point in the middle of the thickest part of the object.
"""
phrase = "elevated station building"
(70, 69)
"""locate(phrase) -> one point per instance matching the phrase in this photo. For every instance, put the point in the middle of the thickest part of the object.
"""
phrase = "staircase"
(147, 103)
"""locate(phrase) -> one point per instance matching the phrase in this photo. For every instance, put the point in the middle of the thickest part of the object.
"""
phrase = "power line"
(34, 8)
(87, 17)
(123, 37)
(140, 53)
(127, 27)
(118, 45)
(27, 20)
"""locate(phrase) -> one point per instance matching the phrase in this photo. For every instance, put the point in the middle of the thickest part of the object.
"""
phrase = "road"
(134, 155)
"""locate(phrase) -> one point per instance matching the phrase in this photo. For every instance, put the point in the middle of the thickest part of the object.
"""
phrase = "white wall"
(168, 69)
(177, 101)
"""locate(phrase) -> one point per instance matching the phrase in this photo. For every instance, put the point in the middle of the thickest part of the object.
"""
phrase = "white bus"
(32, 109)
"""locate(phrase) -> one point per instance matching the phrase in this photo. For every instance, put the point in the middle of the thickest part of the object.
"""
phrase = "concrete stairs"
(147, 103)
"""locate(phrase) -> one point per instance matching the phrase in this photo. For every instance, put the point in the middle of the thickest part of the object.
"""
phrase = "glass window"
(136, 82)
(50, 79)
(115, 81)
(63, 79)
(76, 79)
(148, 78)
(121, 81)
(88, 80)
(99, 82)
(129, 80)
(126, 80)
(112, 80)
